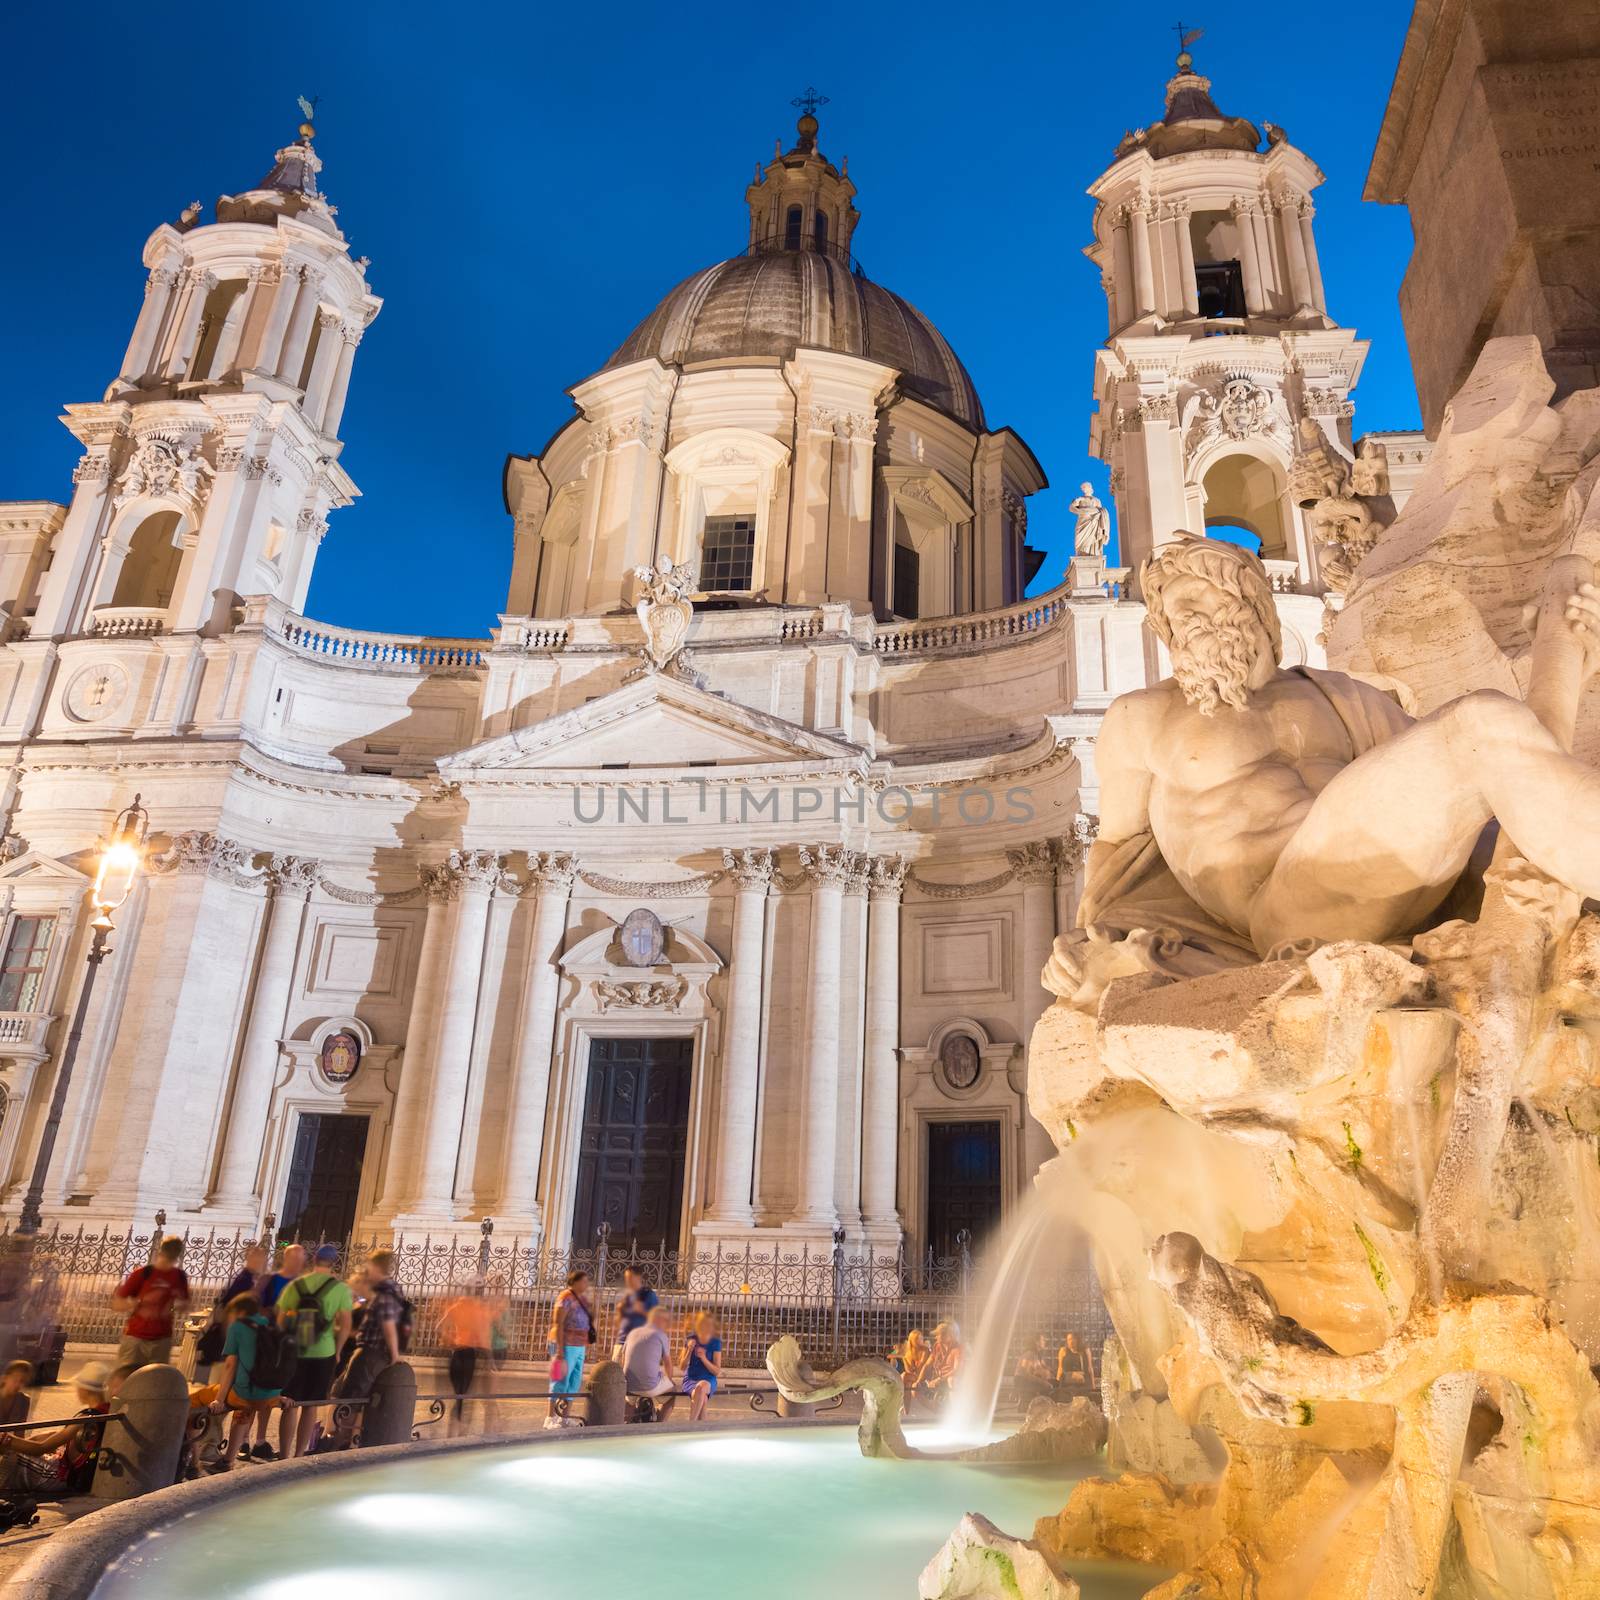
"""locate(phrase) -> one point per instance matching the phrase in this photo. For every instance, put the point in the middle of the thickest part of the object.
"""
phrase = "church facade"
(705, 897)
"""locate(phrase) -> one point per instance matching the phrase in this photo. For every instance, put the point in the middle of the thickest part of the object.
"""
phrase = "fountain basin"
(785, 1512)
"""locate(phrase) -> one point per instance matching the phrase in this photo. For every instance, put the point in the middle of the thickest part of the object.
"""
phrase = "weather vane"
(1186, 39)
(809, 101)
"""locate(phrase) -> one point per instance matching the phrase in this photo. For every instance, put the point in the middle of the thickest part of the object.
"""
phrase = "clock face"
(643, 939)
(958, 1056)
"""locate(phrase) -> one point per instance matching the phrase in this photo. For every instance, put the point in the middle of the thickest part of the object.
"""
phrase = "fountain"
(1353, 1026)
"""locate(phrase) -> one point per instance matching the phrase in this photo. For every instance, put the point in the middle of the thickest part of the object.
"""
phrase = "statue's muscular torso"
(1223, 794)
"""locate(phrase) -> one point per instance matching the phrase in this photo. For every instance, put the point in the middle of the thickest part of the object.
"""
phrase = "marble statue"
(1369, 474)
(663, 609)
(1248, 806)
(1316, 472)
(1093, 530)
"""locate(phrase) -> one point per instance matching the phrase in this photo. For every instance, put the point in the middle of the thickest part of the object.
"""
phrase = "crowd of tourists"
(284, 1340)
(930, 1368)
(654, 1380)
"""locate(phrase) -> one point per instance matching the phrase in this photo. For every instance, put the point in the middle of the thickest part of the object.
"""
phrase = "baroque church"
(705, 896)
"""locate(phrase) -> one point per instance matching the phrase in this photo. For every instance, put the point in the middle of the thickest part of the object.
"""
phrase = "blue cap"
(327, 1253)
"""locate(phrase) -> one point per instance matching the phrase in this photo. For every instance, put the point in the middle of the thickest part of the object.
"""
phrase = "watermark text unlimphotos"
(730, 804)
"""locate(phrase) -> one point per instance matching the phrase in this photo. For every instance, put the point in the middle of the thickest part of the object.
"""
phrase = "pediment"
(33, 867)
(657, 722)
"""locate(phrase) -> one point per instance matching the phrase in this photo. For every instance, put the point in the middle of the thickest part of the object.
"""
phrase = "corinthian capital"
(550, 869)
(886, 877)
(293, 876)
(198, 851)
(1033, 863)
(750, 869)
(829, 865)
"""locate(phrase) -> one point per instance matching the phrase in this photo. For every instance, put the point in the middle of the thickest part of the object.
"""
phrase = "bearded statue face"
(1215, 640)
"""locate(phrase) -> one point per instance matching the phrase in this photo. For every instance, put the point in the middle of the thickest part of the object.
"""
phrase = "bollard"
(139, 1453)
(608, 1395)
(392, 1406)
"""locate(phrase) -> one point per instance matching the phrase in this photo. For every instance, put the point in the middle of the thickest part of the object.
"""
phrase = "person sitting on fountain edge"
(1245, 806)
(944, 1362)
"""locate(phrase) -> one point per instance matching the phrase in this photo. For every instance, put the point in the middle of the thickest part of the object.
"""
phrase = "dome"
(771, 302)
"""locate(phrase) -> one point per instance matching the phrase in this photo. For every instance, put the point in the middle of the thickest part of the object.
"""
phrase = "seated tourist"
(238, 1390)
(944, 1362)
(1034, 1378)
(913, 1362)
(702, 1364)
(14, 1381)
(647, 1362)
(1074, 1367)
(61, 1462)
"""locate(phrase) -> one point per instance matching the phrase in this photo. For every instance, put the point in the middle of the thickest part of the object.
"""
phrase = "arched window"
(150, 569)
(1247, 495)
(822, 230)
(791, 231)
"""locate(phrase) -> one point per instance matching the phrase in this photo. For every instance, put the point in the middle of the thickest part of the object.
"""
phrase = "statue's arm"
(1122, 762)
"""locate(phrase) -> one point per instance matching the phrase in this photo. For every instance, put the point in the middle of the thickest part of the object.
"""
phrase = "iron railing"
(837, 1302)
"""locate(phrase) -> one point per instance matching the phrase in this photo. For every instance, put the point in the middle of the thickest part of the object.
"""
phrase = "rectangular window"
(907, 582)
(728, 555)
(23, 971)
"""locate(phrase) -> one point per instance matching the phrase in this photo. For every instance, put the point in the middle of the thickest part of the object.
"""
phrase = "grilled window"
(728, 554)
(23, 971)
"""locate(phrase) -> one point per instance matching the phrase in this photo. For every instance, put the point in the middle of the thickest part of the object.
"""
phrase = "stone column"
(1294, 249)
(227, 352)
(411, 1099)
(880, 1132)
(334, 412)
(283, 299)
(551, 876)
(319, 381)
(1144, 280)
(1122, 270)
(828, 867)
(475, 875)
(741, 1037)
(1249, 260)
(292, 880)
(181, 351)
(293, 354)
(152, 315)
(1308, 241)
(1189, 285)
(1034, 869)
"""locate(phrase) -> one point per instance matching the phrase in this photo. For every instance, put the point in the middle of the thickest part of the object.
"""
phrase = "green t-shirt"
(334, 1296)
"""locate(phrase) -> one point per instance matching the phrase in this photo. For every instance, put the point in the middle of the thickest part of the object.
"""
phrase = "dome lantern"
(800, 200)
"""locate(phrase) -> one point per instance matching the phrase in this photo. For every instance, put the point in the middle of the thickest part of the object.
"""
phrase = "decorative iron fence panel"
(837, 1303)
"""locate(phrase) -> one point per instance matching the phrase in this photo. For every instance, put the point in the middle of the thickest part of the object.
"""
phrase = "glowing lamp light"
(119, 863)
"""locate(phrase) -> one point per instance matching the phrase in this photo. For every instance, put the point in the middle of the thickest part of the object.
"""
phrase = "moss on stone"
(1007, 1571)
(1352, 1149)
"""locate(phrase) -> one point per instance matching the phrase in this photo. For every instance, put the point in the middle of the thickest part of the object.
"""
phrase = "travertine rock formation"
(1324, 1066)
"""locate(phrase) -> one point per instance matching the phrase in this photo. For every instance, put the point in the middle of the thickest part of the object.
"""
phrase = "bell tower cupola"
(801, 201)
(213, 460)
(1222, 362)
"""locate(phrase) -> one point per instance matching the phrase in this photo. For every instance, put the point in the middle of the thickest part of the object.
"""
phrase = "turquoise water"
(717, 1515)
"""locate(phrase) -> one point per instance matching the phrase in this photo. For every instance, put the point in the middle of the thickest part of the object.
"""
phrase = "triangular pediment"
(34, 867)
(656, 722)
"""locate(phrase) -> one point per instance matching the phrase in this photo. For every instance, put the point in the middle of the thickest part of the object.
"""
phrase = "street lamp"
(120, 861)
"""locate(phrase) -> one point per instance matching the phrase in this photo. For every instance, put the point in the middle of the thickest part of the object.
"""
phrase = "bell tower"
(801, 201)
(212, 461)
(1220, 341)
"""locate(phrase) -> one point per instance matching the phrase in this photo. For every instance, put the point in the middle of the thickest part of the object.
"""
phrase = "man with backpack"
(315, 1311)
(385, 1335)
(153, 1299)
(258, 1359)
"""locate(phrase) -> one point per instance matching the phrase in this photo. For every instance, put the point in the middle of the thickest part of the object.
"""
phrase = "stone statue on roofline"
(1093, 530)
(1247, 807)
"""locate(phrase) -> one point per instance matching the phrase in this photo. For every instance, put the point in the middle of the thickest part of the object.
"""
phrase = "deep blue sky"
(529, 180)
